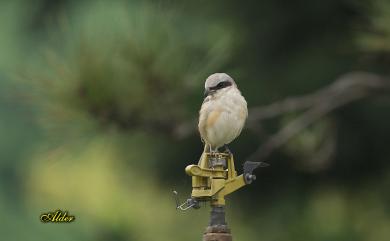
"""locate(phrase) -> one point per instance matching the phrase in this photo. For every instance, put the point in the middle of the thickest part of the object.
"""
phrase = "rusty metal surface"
(217, 233)
(217, 237)
(217, 229)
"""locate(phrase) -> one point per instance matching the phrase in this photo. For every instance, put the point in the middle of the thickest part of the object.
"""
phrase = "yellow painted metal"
(213, 183)
(195, 170)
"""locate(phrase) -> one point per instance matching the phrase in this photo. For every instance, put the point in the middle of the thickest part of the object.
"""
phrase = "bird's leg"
(211, 150)
(213, 155)
(206, 148)
(227, 150)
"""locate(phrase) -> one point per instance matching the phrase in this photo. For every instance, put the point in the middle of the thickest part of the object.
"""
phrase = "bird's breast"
(222, 118)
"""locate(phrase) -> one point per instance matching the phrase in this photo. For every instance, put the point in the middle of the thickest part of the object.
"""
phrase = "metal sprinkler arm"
(249, 167)
(189, 203)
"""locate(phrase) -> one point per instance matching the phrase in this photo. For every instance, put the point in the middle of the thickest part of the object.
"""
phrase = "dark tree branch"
(346, 89)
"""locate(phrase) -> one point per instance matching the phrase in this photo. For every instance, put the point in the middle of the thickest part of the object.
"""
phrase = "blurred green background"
(98, 98)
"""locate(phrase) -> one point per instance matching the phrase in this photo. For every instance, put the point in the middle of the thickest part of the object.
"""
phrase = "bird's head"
(216, 82)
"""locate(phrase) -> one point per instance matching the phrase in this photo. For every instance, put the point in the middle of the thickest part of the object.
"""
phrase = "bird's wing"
(204, 113)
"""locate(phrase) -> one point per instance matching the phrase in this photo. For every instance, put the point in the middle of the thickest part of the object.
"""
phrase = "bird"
(223, 112)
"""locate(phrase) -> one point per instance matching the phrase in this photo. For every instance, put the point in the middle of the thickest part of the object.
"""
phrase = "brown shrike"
(223, 112)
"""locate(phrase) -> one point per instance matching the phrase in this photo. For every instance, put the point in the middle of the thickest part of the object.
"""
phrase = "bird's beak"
(207, 92)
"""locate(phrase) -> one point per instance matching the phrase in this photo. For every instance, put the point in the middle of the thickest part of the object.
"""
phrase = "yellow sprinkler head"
(214, 177)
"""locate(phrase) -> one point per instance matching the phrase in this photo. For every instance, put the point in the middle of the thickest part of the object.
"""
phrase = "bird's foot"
(212, 151)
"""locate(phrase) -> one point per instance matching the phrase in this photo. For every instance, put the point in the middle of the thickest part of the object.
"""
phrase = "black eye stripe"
(221, 85)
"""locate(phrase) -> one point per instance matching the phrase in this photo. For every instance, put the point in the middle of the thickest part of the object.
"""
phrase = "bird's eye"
(221, 85)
